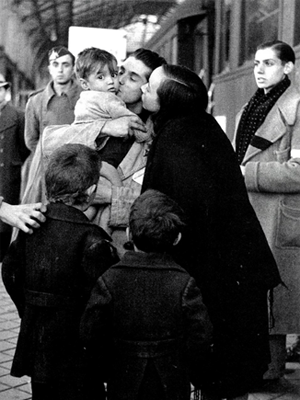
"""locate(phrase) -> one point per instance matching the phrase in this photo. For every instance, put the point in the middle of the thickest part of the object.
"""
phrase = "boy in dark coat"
(49, 276)
(146, 312)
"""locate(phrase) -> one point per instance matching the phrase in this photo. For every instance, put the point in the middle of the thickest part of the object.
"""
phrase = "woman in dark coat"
(192, 161)
(13, 153)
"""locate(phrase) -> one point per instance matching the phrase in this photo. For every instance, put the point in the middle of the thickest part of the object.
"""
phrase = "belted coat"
(146, 313)
(49, 276)
(272, 178)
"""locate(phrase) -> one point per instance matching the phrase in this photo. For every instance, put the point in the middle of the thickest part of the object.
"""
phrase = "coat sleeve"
(32, 130)
(117, 108)
(281, 173)
(99, 255)
(95, 321)
(13, 273)
(198, 324)
(199, 333)
(23, 150)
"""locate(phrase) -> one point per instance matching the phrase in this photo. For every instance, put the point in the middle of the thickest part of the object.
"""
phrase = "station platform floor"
(19, 388)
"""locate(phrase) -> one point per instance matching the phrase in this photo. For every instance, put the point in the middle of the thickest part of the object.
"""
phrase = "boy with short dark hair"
(49, 276)
(146, 313)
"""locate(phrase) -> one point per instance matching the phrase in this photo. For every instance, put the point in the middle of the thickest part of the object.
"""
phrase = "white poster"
(112, 40)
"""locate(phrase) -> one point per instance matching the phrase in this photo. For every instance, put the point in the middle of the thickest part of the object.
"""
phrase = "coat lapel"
(275, 125)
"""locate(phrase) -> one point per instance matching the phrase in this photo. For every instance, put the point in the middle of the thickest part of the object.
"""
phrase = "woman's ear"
(177, 240)
(288, 67)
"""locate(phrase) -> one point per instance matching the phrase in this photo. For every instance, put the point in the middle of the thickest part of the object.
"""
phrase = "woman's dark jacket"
(147, 314)
(13, 153)
(223, 247)
(49, 276)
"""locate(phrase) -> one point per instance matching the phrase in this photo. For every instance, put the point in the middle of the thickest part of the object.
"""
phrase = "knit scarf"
(254, 115)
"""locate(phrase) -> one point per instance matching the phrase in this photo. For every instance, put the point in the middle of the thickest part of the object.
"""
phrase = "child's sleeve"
(198, 333)
(99, 255)
(199, 327)
(94, 326)
(117, 108)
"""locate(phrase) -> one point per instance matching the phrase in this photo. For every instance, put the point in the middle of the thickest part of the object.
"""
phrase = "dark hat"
(59, 51)
(3, 82)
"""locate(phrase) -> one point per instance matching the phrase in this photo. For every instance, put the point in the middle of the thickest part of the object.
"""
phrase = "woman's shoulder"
(196, 122)
(192, 131)
(288, 104)
(292, 93)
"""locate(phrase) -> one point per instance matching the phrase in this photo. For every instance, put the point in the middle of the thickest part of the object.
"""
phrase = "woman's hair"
(283, 50)
(89, 59)
(181, 93)
(72, 169)
(155, 221)
(151, 59)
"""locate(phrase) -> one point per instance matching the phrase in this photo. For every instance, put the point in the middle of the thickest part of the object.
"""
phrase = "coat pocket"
(288, 228)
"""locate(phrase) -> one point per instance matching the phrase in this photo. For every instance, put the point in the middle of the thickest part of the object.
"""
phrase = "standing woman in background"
(223, 247)
(267, 143)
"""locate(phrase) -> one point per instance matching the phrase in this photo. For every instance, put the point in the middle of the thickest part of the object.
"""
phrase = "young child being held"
(145, 315)
(97, 71)
(49, 276)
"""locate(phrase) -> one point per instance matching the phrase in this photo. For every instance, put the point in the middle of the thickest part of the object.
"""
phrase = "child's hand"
(121, 127)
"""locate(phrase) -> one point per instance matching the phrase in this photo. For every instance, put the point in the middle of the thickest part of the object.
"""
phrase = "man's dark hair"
(155, 221)
(71, 170)
(150, 58)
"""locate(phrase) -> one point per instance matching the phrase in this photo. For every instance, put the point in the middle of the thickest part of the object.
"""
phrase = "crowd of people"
(153, 238)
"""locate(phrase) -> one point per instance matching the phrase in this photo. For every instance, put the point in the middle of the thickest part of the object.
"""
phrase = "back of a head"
(155, 221)
(183, 92)
(283, 50)
(89, 59)
(150, 58)
(71, 170)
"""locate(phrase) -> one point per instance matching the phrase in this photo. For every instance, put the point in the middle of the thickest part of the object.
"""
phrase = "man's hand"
(121, 126)
(23, 216)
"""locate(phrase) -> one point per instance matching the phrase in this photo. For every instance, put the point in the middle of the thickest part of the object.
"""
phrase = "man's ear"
(84, 84)
(288, 67)
(177, 240)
